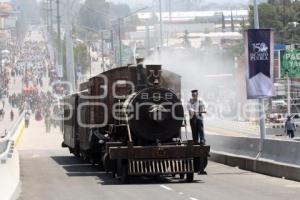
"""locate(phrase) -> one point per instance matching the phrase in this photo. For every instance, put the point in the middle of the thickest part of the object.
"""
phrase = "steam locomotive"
(129, 119)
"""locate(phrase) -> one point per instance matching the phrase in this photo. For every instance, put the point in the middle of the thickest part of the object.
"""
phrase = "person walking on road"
(27, 118)
(290, 127)
(3, 103)
(12, 115)
(47, 120)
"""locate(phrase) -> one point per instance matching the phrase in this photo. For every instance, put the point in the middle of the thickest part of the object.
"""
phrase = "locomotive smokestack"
(139, 61)
(153, 75)
(140, 74)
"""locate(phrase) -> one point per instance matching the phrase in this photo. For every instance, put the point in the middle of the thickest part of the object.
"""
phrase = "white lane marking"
(165, 187)
(180, 193)
(35, 155)
(293, 186)
(192, 198)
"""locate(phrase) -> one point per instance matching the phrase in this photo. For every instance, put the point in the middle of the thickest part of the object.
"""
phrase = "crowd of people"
(5, 78)
(32, 68)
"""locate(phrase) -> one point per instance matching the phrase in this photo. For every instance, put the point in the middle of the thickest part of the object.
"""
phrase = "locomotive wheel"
(124, 176)
(190, 177)
(181, 176)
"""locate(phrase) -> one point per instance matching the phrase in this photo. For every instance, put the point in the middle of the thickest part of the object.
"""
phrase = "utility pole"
(256, 19)
(51, 18)
(59, 49)
(89, 56)
(112, 47)
(70, 66)
(170, 10)
(147, 39)
(223, 22)
(120, 42)
(170, 21)
(46, 13)
(160, 25)
(232, 22)
(262, 116)
(288, 96)
(102, 50)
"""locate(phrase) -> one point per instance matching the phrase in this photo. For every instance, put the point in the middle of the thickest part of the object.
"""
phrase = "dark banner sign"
(259, 48)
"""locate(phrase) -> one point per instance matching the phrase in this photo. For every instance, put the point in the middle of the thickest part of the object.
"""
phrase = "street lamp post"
(262, 117)
(256, 18)
(120, 42)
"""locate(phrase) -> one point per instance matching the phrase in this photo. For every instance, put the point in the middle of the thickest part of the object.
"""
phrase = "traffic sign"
(290, 65)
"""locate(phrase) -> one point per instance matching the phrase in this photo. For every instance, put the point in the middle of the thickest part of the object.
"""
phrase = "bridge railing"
(7, 143)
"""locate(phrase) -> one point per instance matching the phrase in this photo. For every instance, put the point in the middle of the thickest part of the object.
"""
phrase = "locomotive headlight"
(158, 113)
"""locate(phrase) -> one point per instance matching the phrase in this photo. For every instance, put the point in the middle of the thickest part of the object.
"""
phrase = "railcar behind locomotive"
(129, 119)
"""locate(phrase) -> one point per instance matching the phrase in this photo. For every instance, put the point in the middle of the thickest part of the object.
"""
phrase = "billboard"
(290, 63)
(259, 48)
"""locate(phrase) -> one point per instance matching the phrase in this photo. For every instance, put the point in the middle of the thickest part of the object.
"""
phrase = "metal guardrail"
(7, 144)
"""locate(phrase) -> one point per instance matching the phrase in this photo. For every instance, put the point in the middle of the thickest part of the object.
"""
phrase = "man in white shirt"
(27, 118)
(196, 108)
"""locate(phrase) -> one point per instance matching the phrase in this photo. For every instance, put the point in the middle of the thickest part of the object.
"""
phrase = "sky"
(134, 3)
(205, 1)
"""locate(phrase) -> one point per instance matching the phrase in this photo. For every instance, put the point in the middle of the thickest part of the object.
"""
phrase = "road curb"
(262, 166)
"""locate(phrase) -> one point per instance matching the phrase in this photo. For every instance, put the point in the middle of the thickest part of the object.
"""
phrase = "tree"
(98, 14)
(279, 15)
(82, 59)
(94, 14)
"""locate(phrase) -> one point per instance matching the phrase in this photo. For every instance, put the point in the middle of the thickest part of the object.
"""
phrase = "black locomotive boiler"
(130, 119)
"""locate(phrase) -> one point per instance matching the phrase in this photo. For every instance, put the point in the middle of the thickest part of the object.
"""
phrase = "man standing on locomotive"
(196, 109)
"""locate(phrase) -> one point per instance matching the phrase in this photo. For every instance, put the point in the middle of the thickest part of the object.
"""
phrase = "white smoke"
(208, 71)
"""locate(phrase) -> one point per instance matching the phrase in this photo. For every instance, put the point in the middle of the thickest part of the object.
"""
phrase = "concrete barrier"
(282, 151)
(9, 161)
(234, 145)
(279, 158)
(261, 166)
(3, 146)
(10, 178)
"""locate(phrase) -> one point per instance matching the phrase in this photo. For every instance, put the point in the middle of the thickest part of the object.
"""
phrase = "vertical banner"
(259, 48)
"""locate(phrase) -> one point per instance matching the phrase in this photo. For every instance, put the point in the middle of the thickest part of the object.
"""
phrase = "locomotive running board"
(165, 166)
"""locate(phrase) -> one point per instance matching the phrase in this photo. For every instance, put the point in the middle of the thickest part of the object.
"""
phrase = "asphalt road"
(48, 172)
